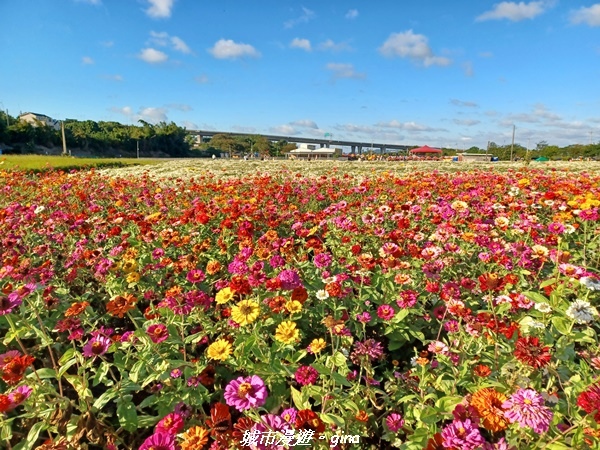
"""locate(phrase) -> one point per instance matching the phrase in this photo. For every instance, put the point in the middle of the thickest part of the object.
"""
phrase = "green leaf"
(67, 355)
(547, 283)
(332, 419)
(447, 404)
(298, 399)
(100, 373)
(32, 437)
(104, 398)
(339, 360)
(340, 379)
(536, 297)
(127, 414)
(562, 325)
(429, 415)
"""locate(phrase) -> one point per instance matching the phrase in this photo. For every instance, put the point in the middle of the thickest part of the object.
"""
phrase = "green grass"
(44, 162)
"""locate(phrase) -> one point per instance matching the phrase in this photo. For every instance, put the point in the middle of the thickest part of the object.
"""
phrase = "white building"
(36, 119)
(312, 151)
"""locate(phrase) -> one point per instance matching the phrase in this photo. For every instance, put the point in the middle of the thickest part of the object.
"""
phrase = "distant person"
(214, 157)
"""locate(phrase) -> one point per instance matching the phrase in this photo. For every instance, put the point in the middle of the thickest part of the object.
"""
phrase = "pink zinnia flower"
(170, 424)
(527, 408)
(195, 276)
(96, 346)
(463, 435)
(385, 312)
(407, 299)
(394, 422)
(322, 260)
(306, 375)
(246, 393)
(158, 333)
(18, 396)
(160, 441)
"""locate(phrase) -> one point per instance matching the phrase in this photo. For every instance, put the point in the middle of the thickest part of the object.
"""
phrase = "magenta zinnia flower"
(289, 280)
(8, 304)
(463, 435)
(385, 312)
(394, 422)
(246, 393)
(170, 424)
(526, 407)
(18, 396)
(160, 441)
(306, 375)
(96, 346)
(158, 333)
(195, 276)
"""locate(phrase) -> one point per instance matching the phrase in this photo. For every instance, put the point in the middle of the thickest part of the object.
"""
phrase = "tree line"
(103, 138)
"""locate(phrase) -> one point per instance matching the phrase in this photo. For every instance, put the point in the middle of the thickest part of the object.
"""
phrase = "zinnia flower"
(96, 346)
(158, 333)
(246, 393)
(159, 441)
(526, 407)
(462, 435)
(385, 312)
(529, 351)
(286, 332)
(394, 422)
(589, 401)
(306, 375)
(224, 295)
(18, 396)
(317, 345)
(220, 349)
(172, 423)
(581, 311)
(488, 404)
(245, 312)
(195, 438)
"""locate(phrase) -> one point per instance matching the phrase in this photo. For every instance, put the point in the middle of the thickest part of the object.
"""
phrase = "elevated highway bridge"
(355, 146)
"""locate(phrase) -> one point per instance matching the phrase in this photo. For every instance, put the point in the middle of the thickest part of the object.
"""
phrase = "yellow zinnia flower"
(220, 349)
(317, 345)
(133, 277)
(224, 295)
(293, 306)
(245, 312)
(129, 266)
(287, 332)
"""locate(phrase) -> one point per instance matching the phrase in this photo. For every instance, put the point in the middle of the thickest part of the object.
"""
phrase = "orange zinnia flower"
(488, 404)
(195, 438)
(76, 308)
(120, 305)
(482, 370)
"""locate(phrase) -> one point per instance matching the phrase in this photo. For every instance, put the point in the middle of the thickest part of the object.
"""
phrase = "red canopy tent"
(425, 150)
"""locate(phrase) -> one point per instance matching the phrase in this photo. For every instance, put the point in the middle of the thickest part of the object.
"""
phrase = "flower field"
(269, 306)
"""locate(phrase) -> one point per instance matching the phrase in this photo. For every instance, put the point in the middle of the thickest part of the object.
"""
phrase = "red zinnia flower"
(13, 371)
(529, 351)
(309, 419)
(589, 401)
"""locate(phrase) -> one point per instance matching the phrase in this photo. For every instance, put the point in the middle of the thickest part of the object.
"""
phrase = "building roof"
(323, 150)
(425, 149)
(36, 114)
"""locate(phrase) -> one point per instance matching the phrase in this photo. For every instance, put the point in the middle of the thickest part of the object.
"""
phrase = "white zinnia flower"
(543, 307)
(581, 311)
(592, 284)
(322, 294)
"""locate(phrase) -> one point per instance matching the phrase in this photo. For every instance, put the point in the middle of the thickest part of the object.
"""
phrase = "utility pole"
(512, 146)
(62, 127)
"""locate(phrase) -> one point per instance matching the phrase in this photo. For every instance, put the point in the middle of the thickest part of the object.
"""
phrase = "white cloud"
(307, 15)
(180, 107)
(160, 9)
(304, 44)
(413, 46)
(305, 124)
(352, 14)
(283, 130)
(333, 46)
(457, 102)
(201, 79)
(113, 77)
(514, 11)
(344, 71)
(228, 49)
(468, 68)
(148, 114)
(590, 16)
(163, 39)
(87, 60)
(153, 56)
(407, 126)
(466, 122)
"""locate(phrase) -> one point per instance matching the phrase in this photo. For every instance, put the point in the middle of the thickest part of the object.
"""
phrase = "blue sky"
(434, 72)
